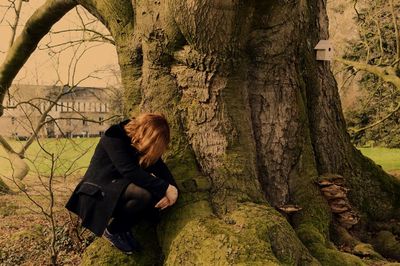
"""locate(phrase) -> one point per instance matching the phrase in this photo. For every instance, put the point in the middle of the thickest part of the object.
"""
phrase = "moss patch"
(366, 250)
(251, 235)
(101, 252)
(386, 244)
(323, 250)
(374, 192)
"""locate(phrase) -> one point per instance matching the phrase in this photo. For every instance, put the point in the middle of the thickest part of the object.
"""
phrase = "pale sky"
(41, 68)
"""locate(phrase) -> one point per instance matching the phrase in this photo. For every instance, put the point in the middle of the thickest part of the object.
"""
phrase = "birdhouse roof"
(323, 44)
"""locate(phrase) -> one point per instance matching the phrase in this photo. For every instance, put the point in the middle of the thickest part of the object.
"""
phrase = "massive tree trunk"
(256, 123)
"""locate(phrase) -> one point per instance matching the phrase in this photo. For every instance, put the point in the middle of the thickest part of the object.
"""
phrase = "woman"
(126, 177)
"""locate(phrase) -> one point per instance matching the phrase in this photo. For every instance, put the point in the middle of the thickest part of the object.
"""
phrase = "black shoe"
(132, 241)
(120, 241)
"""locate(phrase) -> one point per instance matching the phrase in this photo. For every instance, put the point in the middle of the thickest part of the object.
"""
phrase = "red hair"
(150, 135)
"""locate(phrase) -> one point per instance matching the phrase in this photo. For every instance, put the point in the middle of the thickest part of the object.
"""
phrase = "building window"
(12, 120)
(84, 122)
(101, 133)
(69, 122)
(101, 120)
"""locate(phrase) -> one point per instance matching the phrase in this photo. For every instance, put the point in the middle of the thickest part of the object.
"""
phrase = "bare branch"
(387, 73)
(37, 26)
(6, 146)
(106, 38)
(396, 29)
(395, 110)
(16, 20)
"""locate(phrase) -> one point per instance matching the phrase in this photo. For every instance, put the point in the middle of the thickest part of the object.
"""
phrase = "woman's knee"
(134, 192)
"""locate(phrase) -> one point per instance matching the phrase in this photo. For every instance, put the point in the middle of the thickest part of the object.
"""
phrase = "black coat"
(114, 165)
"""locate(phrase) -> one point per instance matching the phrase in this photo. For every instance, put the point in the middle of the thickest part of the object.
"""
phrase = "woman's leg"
(134, 200)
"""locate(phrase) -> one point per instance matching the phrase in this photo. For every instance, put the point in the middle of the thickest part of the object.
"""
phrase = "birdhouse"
(324, 50)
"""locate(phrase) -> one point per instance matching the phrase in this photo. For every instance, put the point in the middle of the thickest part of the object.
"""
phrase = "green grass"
(389, 159)
(73, 156)
(70, 156)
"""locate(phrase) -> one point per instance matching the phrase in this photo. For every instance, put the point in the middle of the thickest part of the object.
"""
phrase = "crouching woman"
(126, 178)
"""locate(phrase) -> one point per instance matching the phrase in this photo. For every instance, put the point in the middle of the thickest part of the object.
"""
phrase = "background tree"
(83, 37)
(16, 7)
(376, 55)
(47, 166)
(256, 122)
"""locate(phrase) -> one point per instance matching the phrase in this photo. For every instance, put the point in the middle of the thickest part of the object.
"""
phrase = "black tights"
(134, 200)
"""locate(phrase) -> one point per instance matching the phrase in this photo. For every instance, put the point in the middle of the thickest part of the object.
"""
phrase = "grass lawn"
(70, 156)
(389, 159)
(25, 231)
(73, 156)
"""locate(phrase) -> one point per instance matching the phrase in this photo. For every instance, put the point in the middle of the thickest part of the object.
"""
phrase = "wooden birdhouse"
(324, 50)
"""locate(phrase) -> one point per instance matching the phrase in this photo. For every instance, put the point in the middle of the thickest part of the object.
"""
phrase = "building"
(74, 112)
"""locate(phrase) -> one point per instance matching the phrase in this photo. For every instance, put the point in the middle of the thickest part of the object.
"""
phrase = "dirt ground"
(25, 232)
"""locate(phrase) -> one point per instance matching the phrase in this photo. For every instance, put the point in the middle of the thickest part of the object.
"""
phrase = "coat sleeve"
(125, 159)
(161, 170)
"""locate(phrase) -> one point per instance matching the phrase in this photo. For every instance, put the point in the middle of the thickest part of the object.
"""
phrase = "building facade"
(74, 112)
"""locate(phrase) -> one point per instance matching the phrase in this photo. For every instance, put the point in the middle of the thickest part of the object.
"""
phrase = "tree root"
(387, 244)
(251, 235)
(100, 252)
(351, 244)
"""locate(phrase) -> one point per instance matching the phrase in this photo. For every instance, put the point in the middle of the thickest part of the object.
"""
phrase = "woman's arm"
(125, 159)
(161, 170)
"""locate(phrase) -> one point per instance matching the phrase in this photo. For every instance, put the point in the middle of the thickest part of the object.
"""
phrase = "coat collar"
(118, 131)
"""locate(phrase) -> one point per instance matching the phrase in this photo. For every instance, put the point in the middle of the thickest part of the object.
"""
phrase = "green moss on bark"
(375, 193)
(387, 244)
(101, 252)
(251, 235)
(323, 250)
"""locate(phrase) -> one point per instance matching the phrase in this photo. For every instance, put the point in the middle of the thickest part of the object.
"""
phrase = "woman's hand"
(171, 194)
(163, 203)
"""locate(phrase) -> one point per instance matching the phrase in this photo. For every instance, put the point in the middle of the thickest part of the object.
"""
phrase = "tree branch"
(396, 29)
(97, 34)
(386, 73)
(354, 130)
(36, 27)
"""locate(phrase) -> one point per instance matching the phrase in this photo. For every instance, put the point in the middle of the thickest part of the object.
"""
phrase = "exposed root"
(251, 235)
(351, 244)
(387, 244)
(324, 251)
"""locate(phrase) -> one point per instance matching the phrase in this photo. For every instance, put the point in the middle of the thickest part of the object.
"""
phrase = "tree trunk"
(256, 123)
